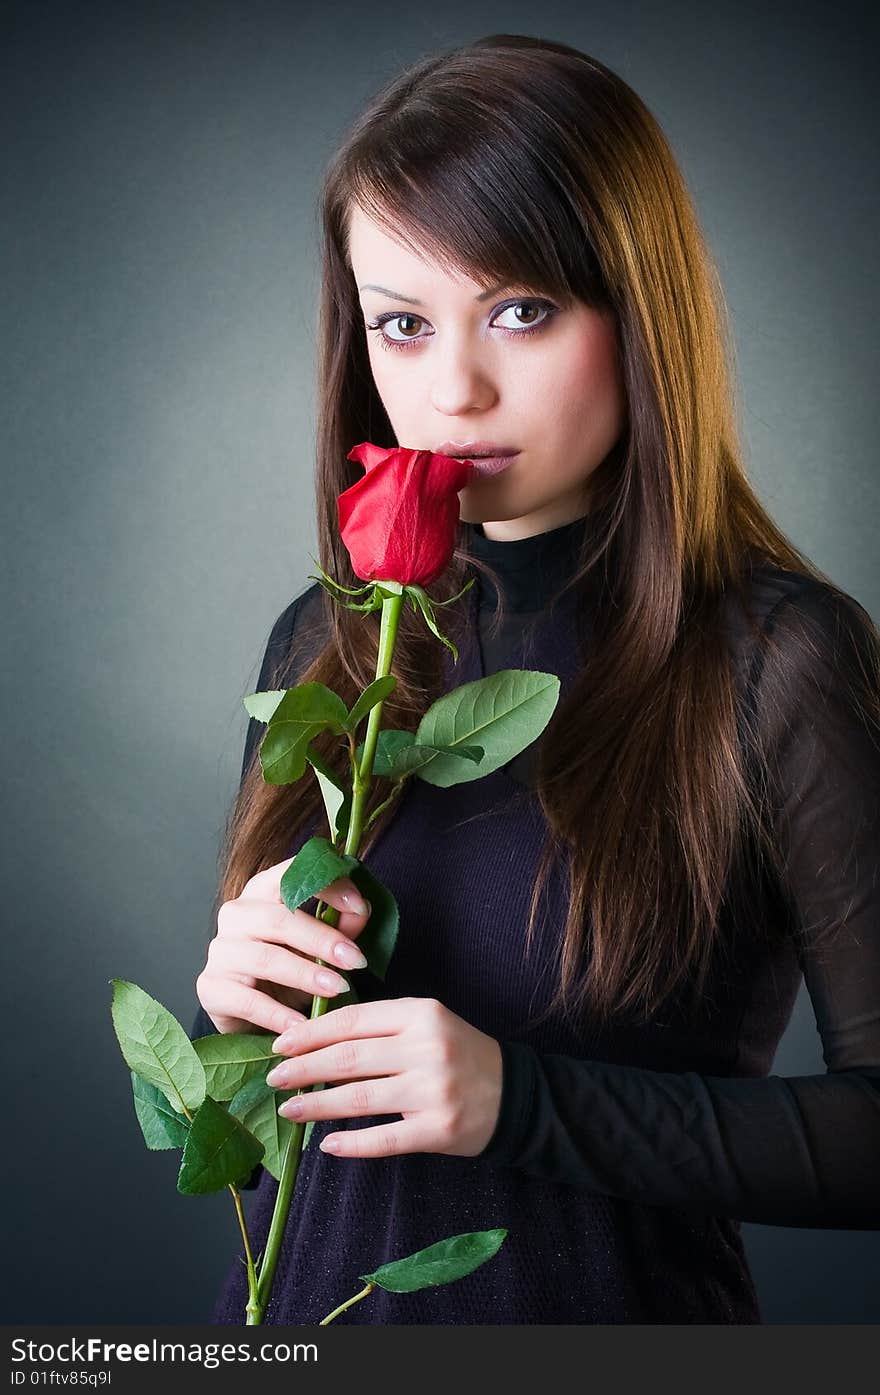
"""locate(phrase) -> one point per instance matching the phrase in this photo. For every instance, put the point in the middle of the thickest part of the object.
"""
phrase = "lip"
(477, 452)
(491, 465)
(467, 449)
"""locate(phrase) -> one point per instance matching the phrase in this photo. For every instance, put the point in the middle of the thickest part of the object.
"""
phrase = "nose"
(460, 382)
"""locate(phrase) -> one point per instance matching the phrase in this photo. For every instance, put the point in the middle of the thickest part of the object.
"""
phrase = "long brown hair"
(525, 161)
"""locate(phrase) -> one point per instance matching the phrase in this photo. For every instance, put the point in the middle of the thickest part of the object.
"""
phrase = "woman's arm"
(797, 1151)
(802, 1151)
(272, 670)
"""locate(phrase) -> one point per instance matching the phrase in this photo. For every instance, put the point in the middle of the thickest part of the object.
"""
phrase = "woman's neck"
(532, 569)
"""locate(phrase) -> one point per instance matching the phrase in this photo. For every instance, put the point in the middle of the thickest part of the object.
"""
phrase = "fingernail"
(349, 955)
(354, 901)
(332, 982)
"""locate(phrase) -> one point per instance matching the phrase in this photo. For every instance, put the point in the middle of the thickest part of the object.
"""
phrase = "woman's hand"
(408, 1056)
(260, 944)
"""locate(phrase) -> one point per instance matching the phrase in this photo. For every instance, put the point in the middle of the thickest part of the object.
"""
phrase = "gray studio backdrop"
(159, 232)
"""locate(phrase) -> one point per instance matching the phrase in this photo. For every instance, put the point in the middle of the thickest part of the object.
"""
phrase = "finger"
(259, 959)
(353, 923)
(296, 998)
(341, 893)
(228, 998)
(265, 885)
(380, 1017)
(345, 1060)
(344, 895)
(347, 1101)
(296, 929)
(384, 1141)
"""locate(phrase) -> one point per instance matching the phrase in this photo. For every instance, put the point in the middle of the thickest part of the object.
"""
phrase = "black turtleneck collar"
(531, 570)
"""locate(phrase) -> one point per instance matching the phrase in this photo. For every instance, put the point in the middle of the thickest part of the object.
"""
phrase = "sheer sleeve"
(792, 1151)
(276, 660)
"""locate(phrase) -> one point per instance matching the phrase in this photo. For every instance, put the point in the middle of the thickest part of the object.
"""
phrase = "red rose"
(399, 521)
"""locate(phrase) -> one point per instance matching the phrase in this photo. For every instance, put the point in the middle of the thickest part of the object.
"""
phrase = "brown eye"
(525, 312)
(412, 319)
(533, 309)
(401, 321)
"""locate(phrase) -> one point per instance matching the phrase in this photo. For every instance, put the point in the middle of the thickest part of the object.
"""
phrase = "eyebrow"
(410, 300)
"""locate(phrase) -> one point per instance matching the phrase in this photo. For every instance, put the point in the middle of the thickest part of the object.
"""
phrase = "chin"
(472, 513)
(473, 509)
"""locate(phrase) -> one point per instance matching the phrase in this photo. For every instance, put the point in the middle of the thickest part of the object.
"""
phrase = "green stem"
(252, 1303)
(395, 794)
(289, 1170)
(252, 1273)
(342, 1307)
(362, 778)
(391, 608)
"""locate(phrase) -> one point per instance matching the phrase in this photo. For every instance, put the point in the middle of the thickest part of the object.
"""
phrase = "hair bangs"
(490, 212)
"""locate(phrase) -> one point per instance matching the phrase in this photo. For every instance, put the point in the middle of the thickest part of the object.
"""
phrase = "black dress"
(624, 1159)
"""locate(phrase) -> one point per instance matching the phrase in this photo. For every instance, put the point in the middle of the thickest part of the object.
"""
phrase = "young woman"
(602, 943)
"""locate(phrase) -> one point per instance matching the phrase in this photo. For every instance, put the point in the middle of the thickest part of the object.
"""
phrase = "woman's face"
(461, 365)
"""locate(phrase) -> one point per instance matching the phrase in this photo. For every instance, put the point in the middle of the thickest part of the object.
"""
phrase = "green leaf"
(323, 767)
(378, 938)
(439, 1264)
(156, 1047)
(377, 692)
(255, 1106)
(283, 758)
(218, 1150)
(308, 703)
(334, 799)
(389, 742)
(263, 705)
(343, 818)
(332, 789)
(302, 713)
(411, 759)
(314, 867)
(231, 1058)
(161, 1126)
(397, 755)
(503, 713)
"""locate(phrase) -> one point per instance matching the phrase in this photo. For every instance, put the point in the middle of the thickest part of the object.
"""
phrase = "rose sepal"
(349, 590)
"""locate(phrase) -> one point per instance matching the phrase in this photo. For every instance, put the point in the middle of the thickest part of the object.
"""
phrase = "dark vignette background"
(161, 163)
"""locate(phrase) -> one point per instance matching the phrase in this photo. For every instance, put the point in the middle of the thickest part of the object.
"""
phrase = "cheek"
(390, 382)
(583, 385)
